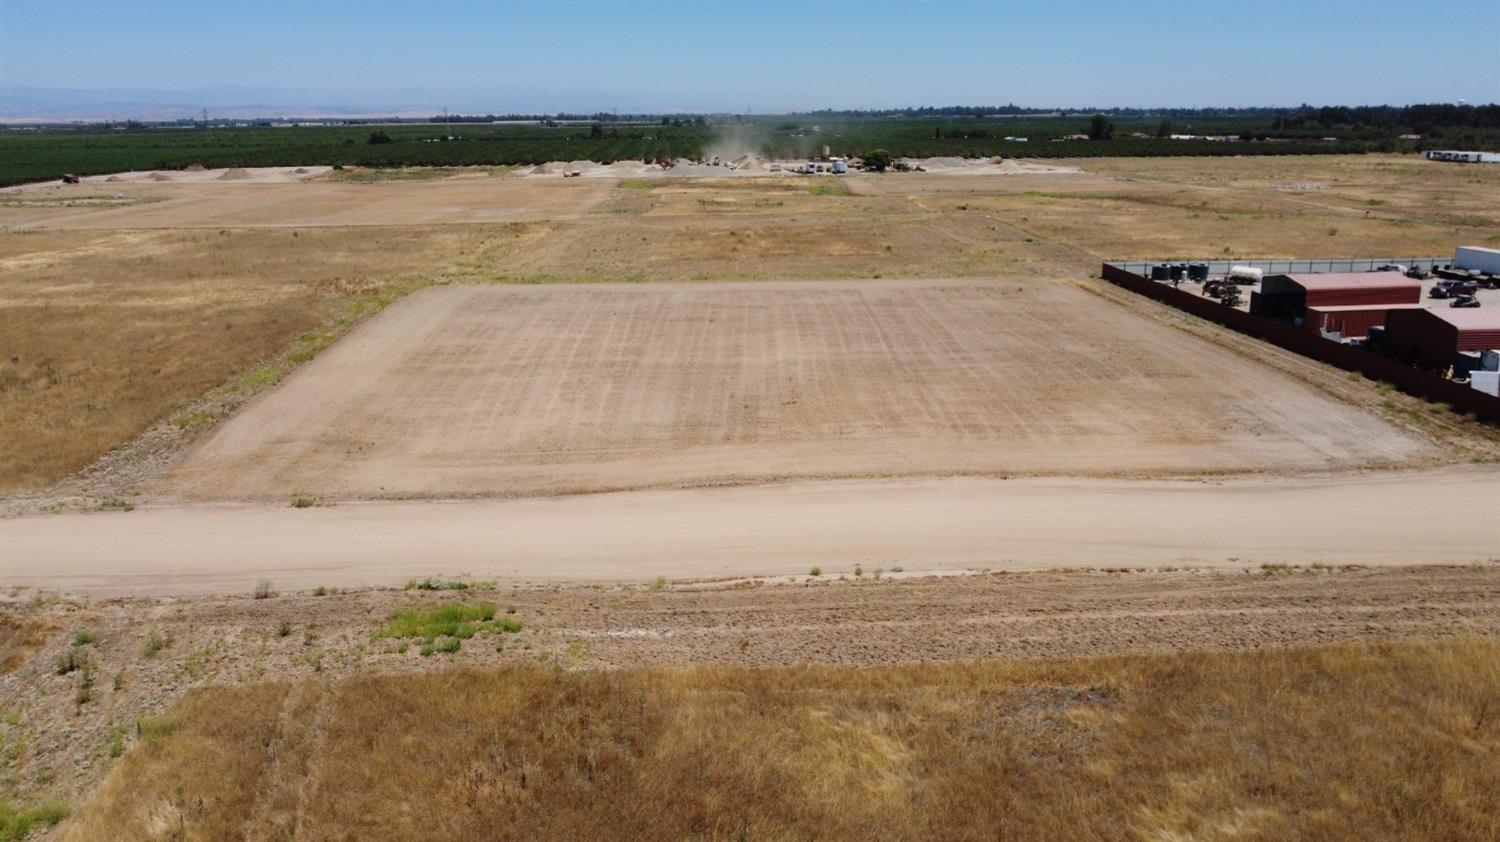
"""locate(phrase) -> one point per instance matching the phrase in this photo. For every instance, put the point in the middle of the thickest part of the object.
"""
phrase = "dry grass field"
(1374, 741)
(181, 287)
(515, 391)
(104, 333)
(135, 660)
(1254, 621)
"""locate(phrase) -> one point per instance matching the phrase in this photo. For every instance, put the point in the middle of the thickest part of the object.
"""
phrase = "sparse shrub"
(85, 685)
(84, 638)
(303, 502)
(320, 591)
(68, 662)
(263, 589)
(431, 584)
(459, 620)
(508, 625)
(816, 571)
(859, 570)
(155, 642)
(152, 728)
(283, 629)
(450, 645)
(18, 824)
(659, 585)
(426, 650)
(119, 681)
(510, 609)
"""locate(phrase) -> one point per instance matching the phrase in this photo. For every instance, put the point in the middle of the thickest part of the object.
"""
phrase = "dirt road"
(519, 391)
(921, 525)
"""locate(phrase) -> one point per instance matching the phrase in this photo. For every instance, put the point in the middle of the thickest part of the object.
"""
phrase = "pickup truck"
(1451, 288)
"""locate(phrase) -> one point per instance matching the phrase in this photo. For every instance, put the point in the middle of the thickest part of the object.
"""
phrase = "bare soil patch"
(466, 391)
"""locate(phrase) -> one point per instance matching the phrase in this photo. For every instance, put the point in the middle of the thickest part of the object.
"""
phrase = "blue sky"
(765, 56)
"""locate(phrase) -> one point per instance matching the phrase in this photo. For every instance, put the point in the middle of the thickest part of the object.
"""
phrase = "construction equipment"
(1464, 301)
(1231, 295)
(69, 178)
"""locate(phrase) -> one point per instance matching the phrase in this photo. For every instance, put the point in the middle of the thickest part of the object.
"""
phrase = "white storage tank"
(1246, 273)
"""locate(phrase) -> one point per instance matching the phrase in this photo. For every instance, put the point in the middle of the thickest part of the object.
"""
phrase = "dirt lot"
(515, 391)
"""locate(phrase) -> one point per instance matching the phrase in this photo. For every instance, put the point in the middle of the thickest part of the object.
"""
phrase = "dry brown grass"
(1376, 741)
(1375, 206)
(102, 334)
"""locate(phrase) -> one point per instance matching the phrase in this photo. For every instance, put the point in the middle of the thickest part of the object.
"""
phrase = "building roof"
(1357, 308)
(1353, 280)
(1468, 318)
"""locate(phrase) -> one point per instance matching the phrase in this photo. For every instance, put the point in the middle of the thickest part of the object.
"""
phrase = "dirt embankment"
(139, 657)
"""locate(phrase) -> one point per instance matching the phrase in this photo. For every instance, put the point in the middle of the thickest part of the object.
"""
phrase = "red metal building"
(1349, 322)
(1432, 338)
(1343, 289)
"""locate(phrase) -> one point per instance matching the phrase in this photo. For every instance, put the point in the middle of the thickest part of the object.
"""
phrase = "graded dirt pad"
(465, 391)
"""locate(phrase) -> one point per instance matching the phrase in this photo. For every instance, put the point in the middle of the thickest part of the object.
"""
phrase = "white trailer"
(1462, 156)
(1474, 257)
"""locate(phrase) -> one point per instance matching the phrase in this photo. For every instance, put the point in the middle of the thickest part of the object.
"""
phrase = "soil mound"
(950, 162)
(114, 178)
(235, 174)
(193, 168)
(157, 176)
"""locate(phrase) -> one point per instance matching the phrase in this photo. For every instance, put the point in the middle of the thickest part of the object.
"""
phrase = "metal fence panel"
(1289, 267)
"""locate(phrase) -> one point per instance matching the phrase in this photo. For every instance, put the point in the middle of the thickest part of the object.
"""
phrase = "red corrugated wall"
(1346, 322)
(1362, 296)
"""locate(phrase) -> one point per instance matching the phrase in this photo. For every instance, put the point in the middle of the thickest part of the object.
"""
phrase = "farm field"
(38, 154)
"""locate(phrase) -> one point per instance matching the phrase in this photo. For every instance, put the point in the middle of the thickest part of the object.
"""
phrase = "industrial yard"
(682, 431)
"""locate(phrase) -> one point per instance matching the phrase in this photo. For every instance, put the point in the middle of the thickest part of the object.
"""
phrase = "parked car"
(1452, 288)
(1417, 273)
(1392, 267)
